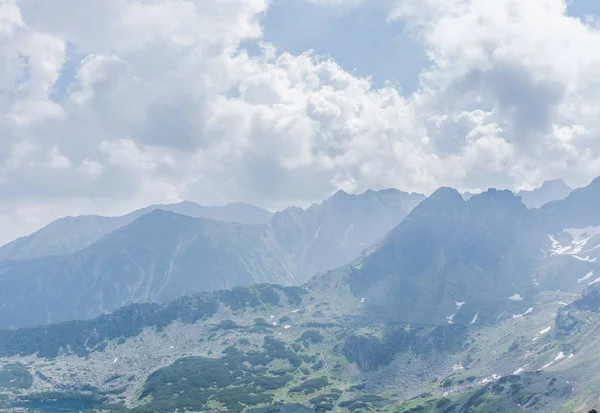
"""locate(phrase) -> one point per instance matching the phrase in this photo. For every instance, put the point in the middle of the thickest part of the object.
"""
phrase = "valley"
(465, 306)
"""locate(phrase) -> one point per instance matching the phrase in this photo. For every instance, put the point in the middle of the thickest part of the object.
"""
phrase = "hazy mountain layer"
(548, 192)
(466, 306)
(163, 255)
(158, 257)
(71, 234)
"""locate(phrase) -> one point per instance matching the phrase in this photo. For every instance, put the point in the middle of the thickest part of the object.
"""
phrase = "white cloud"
(57, 160)
(165, 105)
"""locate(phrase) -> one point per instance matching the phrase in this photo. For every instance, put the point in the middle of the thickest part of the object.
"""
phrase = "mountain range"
(481, 306)
(71, 234)
(161, 255)
(554, 190)
(549, 191)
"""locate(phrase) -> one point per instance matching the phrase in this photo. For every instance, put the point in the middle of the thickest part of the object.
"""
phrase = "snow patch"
(317, 233)
(287, 326)
(519, 370)
(459, 304)
(450, 318)
(362, 300)
(115, 360)
(515, 297)
(529, 311)
(295, 311)
(457, 367)
(546, 330)
(571, 356)
(596, 281)
(560, 356)
(586, 258)
(547, 365)
(586, 277)
(580, 238)
(490, 379)
(474, 319)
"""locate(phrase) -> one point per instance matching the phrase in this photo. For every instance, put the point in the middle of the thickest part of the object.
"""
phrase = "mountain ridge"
(70, 234)
(162, 255)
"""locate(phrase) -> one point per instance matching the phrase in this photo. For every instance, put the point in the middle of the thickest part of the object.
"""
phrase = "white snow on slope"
(490, 379)
(580, 237)
(560, 356)
(546, 330)
(450, 318)
(586, 277)
(317, 233)
(596, 281)
(529, 311)
(586, 258)
(515, 297)
(474, 319)
(459, 304)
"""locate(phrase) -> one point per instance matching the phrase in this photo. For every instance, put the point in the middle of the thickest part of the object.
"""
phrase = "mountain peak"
(445, 195)
(555, 183)
(549, 191)
(497, 195)
(340, 194)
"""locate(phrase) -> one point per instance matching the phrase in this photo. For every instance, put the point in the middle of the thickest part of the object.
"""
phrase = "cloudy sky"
(110, 105)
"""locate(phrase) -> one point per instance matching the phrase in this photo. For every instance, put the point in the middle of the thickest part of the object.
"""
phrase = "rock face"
(450, 260)
(457, 261)
(162, 255)
(333, 233)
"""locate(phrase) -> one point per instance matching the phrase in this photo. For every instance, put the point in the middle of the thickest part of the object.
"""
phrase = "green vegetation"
(234, 382)
(371, 353)
(312, 336)
(84, 337)
(310, 386)
(15, 376)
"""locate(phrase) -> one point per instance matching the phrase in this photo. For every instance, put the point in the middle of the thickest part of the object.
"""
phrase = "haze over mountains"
(160, 255)
(483, 303)
(549, 191)
(71, 234)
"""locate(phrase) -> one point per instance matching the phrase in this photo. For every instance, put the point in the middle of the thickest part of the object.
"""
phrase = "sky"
(110, 106)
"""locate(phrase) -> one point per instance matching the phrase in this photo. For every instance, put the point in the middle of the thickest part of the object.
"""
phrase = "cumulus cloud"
(165, 104)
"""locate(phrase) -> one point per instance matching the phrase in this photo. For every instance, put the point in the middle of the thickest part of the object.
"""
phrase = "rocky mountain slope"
(71, 234)
(455, 310)
(158, 257)
(305, 348)
(163, 255)
(330, 234)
